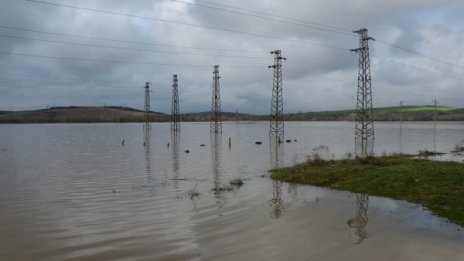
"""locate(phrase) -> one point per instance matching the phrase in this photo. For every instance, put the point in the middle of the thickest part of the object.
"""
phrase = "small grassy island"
(437, 185)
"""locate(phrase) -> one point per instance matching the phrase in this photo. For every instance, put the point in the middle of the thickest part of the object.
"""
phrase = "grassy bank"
(439, 186)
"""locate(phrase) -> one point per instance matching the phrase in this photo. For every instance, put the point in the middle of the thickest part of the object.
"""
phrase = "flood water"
(75, 192)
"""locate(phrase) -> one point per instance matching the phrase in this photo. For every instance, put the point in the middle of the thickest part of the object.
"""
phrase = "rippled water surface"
(76, 192)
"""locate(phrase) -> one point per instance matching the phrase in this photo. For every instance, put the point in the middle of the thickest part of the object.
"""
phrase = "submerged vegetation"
(436, 185)
(233, 185)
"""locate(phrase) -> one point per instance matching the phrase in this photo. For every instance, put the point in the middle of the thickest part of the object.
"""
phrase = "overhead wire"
(412, 90)
(266, 16)
(190, 24)
(312, 64)
(227, 30)
(129, 49)
(59, 81)
(222, 29)
(235, 31)
(300, 61)
(419, 54)
(269, 14)
(27, 77)
(318, 26)
(333, 68)
(118, 61)
(388, 82)
(418, 68)
(122, 41)
(215, 55)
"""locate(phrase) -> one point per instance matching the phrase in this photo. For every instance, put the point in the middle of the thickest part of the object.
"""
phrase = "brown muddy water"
(75, 192)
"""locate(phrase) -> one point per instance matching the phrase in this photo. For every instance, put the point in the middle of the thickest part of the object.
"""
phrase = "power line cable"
(295, 60)
(189, 24)
(418, 68)
(389, 82)
(317, 26)
(419, 54)
(326, 66)
(63, 81)
(267, 17)
(278, 16)
(129, 49)
(121, 41)
(121, 62)
(311, 64)
(414, 90)
(29, 77)
(246, 33)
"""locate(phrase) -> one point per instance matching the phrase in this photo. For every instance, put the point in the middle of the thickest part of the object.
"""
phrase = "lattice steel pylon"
(216, 117)
(175, 117)
(276, 126)
(364, 130)
(147, 102)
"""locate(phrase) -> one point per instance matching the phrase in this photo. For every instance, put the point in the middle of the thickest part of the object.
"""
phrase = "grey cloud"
(315, 77)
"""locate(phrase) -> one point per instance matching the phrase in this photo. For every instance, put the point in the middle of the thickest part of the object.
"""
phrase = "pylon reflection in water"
(175, 140)
(276, 161)
(359, 222)
(216, 150)
(147, 150)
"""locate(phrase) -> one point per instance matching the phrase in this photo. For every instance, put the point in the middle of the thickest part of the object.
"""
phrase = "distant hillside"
(125, 114)
(4, 112)
(80, 114)
(226, 116)
(410, 113)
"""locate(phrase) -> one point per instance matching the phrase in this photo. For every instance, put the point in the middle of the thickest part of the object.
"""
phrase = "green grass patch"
(437, 185)
(428, 108)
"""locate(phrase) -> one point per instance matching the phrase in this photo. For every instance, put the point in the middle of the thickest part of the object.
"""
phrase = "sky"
(97, 53)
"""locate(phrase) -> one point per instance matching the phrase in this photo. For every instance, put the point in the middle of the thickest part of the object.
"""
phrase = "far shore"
(118, 114)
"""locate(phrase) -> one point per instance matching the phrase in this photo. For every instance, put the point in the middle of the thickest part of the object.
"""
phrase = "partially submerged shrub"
(236, 183)
(320, 152)
(458, 148)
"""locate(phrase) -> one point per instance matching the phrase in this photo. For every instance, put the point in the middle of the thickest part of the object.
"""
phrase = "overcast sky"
(102, 52)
